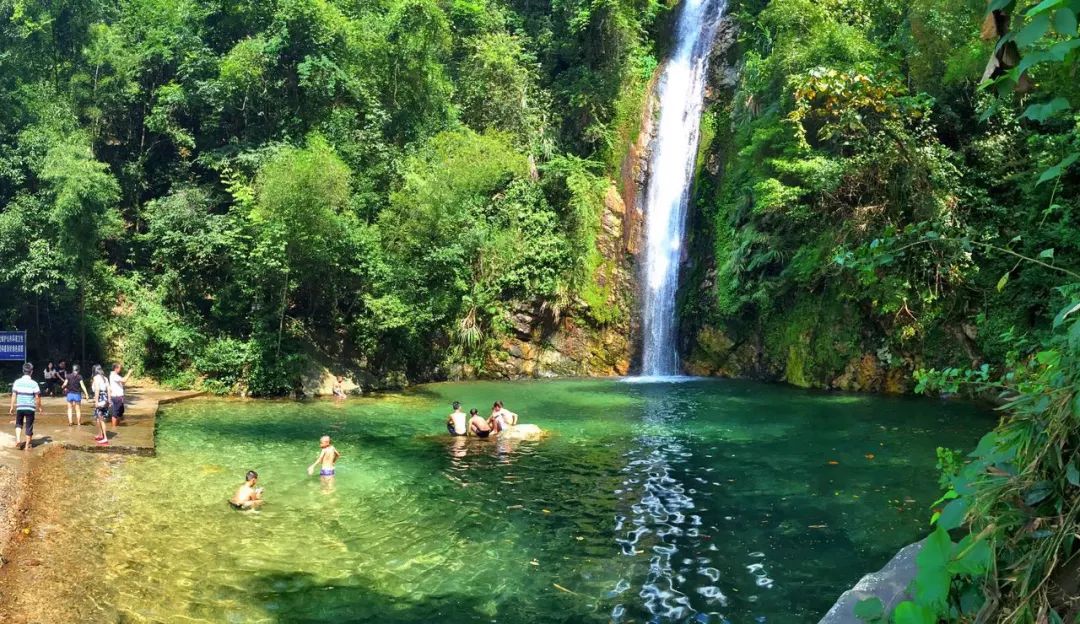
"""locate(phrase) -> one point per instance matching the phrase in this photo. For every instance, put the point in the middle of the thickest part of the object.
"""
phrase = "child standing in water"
(328, 456)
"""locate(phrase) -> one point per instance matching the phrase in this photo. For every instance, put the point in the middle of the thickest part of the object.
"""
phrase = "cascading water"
(681, 91)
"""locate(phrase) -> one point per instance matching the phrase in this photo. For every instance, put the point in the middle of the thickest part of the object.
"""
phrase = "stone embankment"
(889, 584)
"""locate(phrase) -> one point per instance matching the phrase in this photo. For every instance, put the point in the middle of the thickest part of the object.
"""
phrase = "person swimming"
(455, 422)
(338, 389)
(248, 496)
(501, 418)
(477, 425)
(328, 456)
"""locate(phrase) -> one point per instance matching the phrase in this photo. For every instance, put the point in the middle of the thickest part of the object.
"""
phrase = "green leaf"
(1065, 313)
(1038, 493)
(986, 445)
(1058, 169)
(1047, 253)
(908, 612)
(972, 558)
(1043, 6)
(869, 609)
(1001, 282)
(1065, 22)
(1060, 50)
(932, 579)
(1072, 474)
(1042, 112)
(952, 515)
(1033, 31)
(1031, 59)
(950, 495)
(1050, 357)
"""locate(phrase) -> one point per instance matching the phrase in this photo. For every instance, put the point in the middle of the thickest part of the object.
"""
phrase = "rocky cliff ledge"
(546, 343)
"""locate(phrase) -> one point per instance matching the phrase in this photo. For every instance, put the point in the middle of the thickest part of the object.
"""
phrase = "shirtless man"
(455, 422)
(477, 425)
(328, 456)
(248, 496)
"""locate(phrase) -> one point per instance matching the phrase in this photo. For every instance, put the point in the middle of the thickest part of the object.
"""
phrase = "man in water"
(455, 422)
(26, 405)
(339, 389)
(248, 496)
(328, 456)
(478, 426)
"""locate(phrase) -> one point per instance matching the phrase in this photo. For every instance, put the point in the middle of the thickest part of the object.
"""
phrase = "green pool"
(704, 501)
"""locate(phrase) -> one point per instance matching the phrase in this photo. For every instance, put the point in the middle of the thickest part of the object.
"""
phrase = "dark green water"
(706, 501)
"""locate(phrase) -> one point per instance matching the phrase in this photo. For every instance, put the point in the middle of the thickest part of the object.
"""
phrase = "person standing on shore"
(26, 405)
(50, 379)
(76, 391)
(116, 391)
(102, 398)
(61, 376)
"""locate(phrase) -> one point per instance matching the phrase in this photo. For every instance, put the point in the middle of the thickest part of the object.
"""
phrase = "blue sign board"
(12, 346)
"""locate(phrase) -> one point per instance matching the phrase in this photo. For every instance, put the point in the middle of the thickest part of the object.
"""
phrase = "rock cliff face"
(815, 347)
(543, 343)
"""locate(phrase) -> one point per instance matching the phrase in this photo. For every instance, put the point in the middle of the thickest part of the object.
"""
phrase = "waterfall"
(681, 92)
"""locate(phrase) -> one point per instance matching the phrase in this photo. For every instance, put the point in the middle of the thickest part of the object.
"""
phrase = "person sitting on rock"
(478, 426)
(501, 418)
(455, 422)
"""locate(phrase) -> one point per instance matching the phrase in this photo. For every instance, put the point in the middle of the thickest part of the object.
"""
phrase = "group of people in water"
(460, 424)
(249, 496)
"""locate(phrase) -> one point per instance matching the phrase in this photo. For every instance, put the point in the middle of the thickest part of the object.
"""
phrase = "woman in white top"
(502, 418)
(50, 379)
(102, 396)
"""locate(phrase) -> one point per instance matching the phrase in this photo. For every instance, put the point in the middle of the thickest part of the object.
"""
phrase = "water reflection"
(661, 514)
(665, 500)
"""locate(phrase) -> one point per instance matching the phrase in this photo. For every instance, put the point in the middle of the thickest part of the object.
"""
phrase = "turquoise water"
(706, 501)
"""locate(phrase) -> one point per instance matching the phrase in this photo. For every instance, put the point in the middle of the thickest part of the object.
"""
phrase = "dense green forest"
(866, 205)
(228, 193)
(231, 191)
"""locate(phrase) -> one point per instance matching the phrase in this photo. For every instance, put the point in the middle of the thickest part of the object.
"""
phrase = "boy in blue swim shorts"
(328, 456)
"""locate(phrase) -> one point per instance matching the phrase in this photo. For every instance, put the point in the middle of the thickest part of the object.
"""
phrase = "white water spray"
(681, 93)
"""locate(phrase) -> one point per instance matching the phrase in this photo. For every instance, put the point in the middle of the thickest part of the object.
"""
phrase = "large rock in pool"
(522, 432)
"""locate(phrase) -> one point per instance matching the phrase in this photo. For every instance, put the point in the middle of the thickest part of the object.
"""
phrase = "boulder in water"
(522, 432)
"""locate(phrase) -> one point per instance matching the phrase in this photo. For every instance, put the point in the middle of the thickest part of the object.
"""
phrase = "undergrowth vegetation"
(867, 188)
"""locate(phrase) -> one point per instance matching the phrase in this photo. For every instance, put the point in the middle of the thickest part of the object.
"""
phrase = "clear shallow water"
(694, 502)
